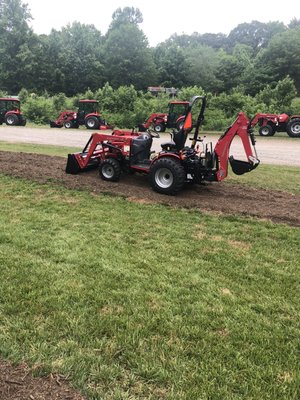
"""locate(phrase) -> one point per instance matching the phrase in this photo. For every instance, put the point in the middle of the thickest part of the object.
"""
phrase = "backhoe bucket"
(72, 165)
(241, 167)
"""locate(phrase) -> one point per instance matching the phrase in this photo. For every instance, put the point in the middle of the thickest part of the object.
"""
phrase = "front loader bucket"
(72, 165)
(53, 124)
(241, 167)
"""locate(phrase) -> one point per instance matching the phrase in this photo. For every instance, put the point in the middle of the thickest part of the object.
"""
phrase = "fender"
(164, 155)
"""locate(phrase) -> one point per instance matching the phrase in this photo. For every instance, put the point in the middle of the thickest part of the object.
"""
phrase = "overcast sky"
(162, 18)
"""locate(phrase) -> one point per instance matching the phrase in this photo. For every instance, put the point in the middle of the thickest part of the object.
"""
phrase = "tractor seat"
(141, 146)
(169, 146)
(177, 144)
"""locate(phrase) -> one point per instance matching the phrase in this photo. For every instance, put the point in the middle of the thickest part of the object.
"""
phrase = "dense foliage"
(254, 68)
(79, 56)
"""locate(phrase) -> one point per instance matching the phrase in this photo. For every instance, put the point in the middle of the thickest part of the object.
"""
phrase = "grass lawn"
(135, 301)
(50, 150)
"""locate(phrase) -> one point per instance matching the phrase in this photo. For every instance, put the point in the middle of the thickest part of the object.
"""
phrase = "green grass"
(50, 150)
(134, 301)
(266, 176)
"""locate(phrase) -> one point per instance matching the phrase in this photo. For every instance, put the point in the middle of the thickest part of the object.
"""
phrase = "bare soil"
(17, 382)
(224, 197)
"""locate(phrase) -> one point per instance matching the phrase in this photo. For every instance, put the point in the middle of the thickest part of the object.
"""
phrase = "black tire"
(293, 128)
(11, 120)
(167, 176)
(68, 125)
(266, 130)
(110, 170)
(159, 128)
(92, 123)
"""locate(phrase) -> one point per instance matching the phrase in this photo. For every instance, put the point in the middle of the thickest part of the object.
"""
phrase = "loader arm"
(153, 118)
(263, 119)
(242, 128)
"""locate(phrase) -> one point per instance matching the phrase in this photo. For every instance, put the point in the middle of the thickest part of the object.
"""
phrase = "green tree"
(282, 57)
(127, 56)
(254, 34)
(127, 15)
(75, 57)
(202, 64)
(278, 99)
(172, 65)
(16, 42)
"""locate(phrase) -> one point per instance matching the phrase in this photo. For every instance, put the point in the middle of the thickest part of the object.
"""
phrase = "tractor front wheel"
(92, 123)
(110, 170)
(159, 128)
(266, 130)
(11, 119)
(68, 124)
(293, 128)
(167, 176)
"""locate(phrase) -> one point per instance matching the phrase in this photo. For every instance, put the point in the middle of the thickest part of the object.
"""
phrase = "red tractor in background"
(173, 119)
(271, 123)
(10, 112)
(87, 115)
(176, 163)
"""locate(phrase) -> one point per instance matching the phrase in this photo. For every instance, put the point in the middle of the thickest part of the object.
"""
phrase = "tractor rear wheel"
(110, 170)
(293, 128)
(266, 130)
(11, 119)
(92, 123)
(167, 176)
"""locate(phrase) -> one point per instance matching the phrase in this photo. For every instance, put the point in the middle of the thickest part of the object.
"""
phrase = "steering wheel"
(153, 133)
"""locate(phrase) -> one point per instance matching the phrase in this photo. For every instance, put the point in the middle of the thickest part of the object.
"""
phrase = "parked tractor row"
(89, 116)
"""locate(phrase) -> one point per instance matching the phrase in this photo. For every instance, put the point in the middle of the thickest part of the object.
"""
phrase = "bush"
(39, 110)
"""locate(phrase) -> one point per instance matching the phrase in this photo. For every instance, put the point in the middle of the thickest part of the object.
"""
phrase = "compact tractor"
(176, 163)
(173, 119)
(271, 123)
(87, 115)
(10, 112)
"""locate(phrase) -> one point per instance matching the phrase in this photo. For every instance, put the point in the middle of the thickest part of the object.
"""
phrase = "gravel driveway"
(271, 150)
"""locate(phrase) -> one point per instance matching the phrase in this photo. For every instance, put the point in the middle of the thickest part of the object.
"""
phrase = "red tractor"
(10, 112)
(87, 115)
(271, 123)
(176, 163)
(173, 119)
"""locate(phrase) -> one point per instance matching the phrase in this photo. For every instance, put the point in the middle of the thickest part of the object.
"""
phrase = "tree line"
(78, 57)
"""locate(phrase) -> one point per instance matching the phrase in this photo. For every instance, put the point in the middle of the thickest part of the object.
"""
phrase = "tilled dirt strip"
(221, 197)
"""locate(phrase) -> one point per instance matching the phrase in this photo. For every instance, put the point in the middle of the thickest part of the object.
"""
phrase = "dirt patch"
(17, 383)
(225, 198)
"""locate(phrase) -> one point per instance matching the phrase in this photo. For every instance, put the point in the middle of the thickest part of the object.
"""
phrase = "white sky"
(162, 18)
